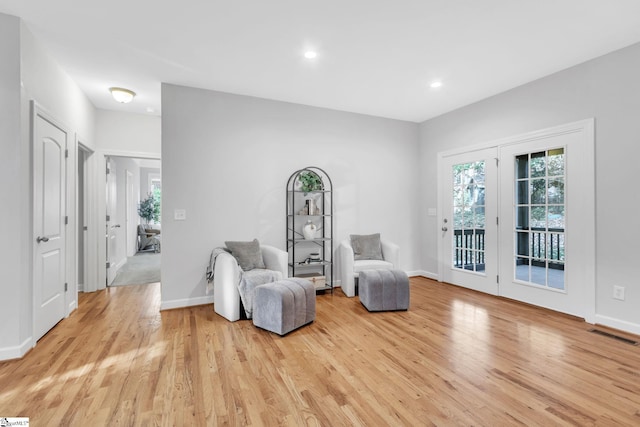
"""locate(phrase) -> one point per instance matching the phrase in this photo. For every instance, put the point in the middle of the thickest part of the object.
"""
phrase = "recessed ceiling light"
(150, 110)
(436, 84)
(310, 54)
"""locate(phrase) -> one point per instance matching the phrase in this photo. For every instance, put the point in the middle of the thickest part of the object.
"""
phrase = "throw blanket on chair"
(211, 267)
(247, 283)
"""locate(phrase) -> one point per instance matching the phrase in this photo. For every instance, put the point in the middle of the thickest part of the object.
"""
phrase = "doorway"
(518, 218)
(128, 182)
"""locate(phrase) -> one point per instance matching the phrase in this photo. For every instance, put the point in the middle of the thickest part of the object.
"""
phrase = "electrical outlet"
(618, 293)
(180, 214)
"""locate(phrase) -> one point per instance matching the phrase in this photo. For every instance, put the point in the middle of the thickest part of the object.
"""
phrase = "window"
(469, 216)
(540, 218)
(155, 188)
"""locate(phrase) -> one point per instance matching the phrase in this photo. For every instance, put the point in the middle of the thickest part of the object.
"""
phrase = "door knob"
(42, 239)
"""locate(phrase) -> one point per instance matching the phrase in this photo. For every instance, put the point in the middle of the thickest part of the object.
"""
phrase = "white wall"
(135, 135)
(607, 89)
(227, 158)
(28, 73)
(54, 90)
(14, 211)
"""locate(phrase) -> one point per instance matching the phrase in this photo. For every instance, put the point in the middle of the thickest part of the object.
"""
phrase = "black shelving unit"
(318, 269)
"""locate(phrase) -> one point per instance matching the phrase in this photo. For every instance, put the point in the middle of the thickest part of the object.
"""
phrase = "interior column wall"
(14, 224)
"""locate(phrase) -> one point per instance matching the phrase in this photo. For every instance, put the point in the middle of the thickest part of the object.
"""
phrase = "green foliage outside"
(540, 195)
(468, 195)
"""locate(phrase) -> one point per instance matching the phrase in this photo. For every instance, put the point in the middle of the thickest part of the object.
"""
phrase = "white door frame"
(587, 202)
(89, 247)
(94, 240)
(101, 208)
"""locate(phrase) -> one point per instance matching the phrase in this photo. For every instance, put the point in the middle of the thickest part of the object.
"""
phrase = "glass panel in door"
(539, 249)
(468, 245)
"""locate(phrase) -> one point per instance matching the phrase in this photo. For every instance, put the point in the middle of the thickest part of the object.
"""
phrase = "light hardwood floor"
(457, 357)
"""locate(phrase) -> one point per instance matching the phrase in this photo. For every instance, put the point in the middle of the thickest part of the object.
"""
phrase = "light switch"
(432, 212)
(180, 214)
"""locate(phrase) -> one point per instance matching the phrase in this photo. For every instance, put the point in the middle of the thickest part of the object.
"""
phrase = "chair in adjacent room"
(148, 239)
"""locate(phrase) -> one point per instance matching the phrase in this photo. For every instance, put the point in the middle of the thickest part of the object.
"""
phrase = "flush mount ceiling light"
(310, 54)
(435, 84)
(122, 95)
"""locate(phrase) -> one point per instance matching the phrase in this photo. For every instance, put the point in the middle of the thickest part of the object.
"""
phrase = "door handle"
(115, 226)
(444, 228)
(42, 239)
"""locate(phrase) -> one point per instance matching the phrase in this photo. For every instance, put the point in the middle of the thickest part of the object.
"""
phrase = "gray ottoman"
(384, 290)
(285, 305)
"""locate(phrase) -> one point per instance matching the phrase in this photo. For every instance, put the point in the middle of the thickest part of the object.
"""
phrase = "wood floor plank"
(456, 357)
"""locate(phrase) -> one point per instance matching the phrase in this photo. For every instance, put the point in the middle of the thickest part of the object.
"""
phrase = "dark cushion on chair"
(366, 246)
(247, 254)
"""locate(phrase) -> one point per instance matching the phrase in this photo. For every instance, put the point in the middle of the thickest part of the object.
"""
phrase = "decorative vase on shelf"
(309, 230)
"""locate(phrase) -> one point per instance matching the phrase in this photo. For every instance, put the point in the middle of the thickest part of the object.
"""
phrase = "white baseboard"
(621, 325)
(189, 302)
(119, 265)
(72, 306)
(414, 273)
(8, 353)
(423, 273)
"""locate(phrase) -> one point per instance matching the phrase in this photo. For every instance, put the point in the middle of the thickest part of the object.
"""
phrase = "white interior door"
(468, 220)
(49, 145)
(111, 224)
(547, 228)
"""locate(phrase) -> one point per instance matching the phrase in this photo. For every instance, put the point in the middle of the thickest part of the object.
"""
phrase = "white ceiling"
(374, 56)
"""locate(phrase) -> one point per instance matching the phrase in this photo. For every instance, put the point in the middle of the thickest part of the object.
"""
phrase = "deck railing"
(469, 247)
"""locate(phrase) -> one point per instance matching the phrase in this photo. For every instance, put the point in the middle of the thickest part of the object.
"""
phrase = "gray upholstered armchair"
(227, 275)
(350, 267)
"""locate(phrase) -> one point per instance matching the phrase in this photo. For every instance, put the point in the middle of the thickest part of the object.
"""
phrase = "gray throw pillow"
(247, 254)
(366, 247)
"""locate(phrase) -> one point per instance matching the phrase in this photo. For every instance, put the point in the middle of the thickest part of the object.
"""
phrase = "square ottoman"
(384, 290)
(285, 305)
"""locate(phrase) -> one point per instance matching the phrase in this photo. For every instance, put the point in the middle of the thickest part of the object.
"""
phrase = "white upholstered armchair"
(226, 296)
(350, 267)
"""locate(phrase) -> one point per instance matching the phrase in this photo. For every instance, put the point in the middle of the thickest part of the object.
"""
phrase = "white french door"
(542, 196)
(468, 225)
(547, 229)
